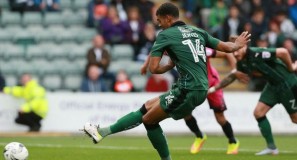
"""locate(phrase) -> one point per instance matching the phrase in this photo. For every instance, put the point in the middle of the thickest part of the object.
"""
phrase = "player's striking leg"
(200, 137)
(128, 121)
(153, 115)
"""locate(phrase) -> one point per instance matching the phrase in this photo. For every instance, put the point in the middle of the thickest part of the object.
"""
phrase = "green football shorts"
(286, 95)
(178, 103)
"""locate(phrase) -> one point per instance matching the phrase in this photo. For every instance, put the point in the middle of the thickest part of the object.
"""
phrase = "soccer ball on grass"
(15, 151)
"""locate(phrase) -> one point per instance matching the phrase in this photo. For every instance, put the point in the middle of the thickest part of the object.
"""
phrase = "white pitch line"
(132, 148)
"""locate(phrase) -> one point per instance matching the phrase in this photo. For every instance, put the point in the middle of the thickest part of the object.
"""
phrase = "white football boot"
(92, 131)
(268, 151)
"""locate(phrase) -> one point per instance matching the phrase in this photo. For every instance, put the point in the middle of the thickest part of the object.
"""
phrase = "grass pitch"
(139, 148)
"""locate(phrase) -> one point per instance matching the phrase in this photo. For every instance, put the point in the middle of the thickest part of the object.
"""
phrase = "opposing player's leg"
(200, 137)
(233, 145)
(265, 129)
(217, 104)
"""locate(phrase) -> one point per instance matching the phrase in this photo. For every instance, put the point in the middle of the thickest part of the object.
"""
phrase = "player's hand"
(294, 65)
(211, 90)
(243, 39)
(242, 77)
(143, 70)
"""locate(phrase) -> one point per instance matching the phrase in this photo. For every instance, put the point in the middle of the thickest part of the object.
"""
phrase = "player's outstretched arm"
(229, 57)
(240, 41)
(224, 83)
(156, 68)
(242, 77)
(284, 55)
(144, 67)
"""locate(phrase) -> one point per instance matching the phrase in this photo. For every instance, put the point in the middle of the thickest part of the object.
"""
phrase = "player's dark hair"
(168, 9)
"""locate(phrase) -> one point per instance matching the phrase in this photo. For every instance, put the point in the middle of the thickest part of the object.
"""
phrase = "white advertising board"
(69, 111)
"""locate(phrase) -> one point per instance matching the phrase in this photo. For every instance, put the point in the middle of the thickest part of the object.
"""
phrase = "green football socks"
(265, 129)
(128, 121)
(158, 140)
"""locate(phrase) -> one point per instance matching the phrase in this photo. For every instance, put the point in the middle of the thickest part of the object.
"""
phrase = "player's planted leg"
(158, 140)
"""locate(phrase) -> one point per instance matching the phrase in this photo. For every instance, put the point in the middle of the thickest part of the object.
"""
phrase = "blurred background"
(96, 46)
(57, 41)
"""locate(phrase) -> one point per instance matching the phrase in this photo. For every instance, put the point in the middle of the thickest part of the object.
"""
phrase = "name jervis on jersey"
(187, 35)
(187, 32)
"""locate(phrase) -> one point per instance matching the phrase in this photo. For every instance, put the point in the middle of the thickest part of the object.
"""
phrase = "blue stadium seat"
(52, 19)
(85, 34)
(11, 80)
(9, 18)
(32, 18)
(56, 52)
(52, 82)
(73, 19)
(66, 4)
(77, 52)
(79, 4)
(122, 52)
(36, 51)
(4, 3)
(139, 82)
(73, 82)
(11, 67)
(5, 36)
(65, 36)
(49, 34)
(14, 52)
(115, 66)
(66, 67)
(25, 67)
(24, 37)
(44, 67)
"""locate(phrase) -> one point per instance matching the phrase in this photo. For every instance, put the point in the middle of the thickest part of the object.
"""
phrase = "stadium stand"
(53, 46)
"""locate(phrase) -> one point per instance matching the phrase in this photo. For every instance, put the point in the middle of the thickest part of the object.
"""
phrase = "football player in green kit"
(275, 65)
(186, 47)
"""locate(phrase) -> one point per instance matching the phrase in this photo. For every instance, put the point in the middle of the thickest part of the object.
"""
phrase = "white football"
(15, 151)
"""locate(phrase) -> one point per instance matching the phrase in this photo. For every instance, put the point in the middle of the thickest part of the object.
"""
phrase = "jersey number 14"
(197, 50)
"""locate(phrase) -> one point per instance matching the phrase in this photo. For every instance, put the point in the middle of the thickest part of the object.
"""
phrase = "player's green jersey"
(186, 45)
(263, 62)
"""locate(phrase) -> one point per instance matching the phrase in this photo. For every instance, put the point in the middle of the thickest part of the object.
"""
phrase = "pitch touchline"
(131, 148)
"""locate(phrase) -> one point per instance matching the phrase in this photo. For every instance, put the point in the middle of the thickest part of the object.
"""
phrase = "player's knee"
(149, 103)
(221, 121)
(220, 117)
(294, 120)
(188, 117)
(147, 121)
(151, 126)
(258, 114)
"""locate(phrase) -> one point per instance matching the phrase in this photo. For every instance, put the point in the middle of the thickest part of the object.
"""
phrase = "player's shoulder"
(260, 52)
